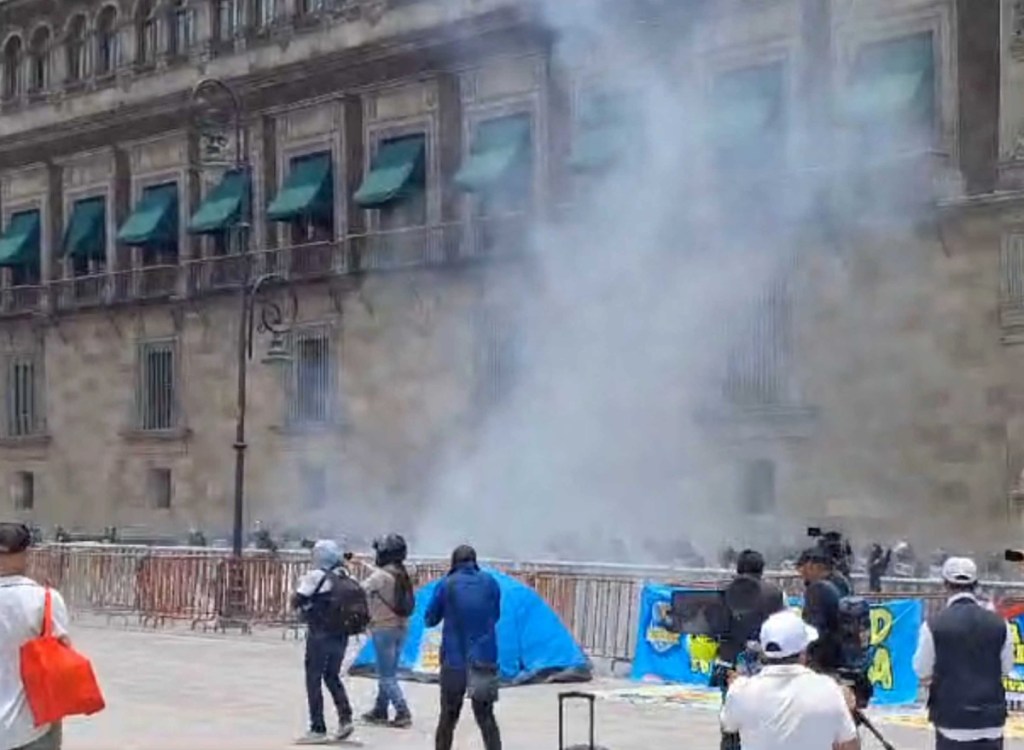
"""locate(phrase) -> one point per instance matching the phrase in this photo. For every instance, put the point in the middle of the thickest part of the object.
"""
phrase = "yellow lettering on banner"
(1013, 684)
(880, 672)
(701, 666)
(1018, 646)
(881, 625)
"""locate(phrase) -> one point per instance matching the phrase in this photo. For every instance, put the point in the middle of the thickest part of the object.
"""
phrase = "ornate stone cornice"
(439, 49)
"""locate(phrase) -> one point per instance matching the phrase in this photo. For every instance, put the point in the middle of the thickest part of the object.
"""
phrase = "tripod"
(863, 721)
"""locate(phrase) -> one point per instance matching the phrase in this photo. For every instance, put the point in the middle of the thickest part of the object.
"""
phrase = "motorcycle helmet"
(390, 550)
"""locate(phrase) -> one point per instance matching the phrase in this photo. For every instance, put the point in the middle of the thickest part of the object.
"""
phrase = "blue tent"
(533, 644)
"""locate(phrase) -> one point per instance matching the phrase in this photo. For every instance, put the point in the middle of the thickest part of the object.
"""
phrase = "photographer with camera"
(787, 706)
(750, 600)
(389, 591)
(821, 608)
(962, 655)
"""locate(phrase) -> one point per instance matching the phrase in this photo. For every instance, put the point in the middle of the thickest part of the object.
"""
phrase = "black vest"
(967, 684)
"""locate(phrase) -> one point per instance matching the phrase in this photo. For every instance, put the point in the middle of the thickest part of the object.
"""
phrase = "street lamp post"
(214, 106)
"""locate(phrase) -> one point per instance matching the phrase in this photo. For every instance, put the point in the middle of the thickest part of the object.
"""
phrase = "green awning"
(306, 192)
(86, 234)
(395, 168)
(223, 206)
(19, 245)
(154, 221)
(498, 145)
(596, 149)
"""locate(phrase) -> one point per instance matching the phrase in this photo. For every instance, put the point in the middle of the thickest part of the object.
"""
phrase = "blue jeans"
(324, 655)
(387, 642)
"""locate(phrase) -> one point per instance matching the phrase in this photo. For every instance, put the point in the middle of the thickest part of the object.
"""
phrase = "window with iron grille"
(757, 369)
(311, 398)
(497, 360)
(25, 413)
(156, 387)
(1012, 262)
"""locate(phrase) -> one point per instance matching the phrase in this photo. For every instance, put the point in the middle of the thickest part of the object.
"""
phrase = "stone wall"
(402, 346)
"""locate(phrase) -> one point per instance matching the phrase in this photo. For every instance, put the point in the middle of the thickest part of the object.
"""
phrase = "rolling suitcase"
(574, 695)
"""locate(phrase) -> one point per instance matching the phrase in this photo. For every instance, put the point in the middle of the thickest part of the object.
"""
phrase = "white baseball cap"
(785, 634)
(961, 570)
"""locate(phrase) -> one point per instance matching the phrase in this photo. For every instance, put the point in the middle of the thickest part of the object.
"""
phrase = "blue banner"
(1014, 682)
(671, 657)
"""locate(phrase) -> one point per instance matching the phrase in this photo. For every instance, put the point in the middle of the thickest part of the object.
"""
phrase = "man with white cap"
(787, 706)
(962, 655)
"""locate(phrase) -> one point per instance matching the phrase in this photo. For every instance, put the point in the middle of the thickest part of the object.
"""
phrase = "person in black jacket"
(878, 564)
(962, 655)
(751, 600)
(821, 608)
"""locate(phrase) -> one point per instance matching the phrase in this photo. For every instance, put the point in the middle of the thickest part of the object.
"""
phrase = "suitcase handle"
(572, 695)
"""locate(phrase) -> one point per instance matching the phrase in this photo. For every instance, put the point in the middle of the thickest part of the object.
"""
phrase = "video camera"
(1014, 555)
(835, 546)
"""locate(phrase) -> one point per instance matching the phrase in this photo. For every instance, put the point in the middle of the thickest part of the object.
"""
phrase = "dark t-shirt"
(745, 626)
(821, 610)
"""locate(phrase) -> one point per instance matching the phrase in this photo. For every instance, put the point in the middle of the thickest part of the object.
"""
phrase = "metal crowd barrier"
(156, 587)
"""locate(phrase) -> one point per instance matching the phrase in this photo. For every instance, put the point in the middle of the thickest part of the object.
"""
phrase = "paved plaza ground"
(185, 691)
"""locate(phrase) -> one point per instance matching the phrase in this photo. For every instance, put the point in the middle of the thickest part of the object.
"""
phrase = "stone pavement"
(176, 691)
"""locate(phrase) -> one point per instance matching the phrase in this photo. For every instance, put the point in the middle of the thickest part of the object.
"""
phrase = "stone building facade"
(397, 152)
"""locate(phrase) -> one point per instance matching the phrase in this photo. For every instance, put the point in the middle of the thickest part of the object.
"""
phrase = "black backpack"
(405, 597)
(347, 611)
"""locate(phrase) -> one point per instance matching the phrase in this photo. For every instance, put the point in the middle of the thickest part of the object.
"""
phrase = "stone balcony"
(431, 246)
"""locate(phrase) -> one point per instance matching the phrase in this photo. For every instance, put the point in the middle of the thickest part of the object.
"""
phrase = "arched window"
(145, 33)
(74, 47)
(180, 28)
(39, 60)
(106, 41)
(12, 67)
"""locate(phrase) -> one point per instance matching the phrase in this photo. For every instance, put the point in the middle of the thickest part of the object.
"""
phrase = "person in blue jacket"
(468, 601)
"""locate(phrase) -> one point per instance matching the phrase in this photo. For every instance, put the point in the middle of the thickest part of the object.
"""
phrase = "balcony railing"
(414, 247)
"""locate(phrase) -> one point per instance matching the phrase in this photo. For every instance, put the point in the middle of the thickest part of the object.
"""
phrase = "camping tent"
(533, 644)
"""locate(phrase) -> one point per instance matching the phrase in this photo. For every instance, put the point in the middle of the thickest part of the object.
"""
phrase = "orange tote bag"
(58, 680)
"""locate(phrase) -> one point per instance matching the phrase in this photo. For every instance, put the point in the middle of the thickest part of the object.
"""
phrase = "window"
(757, 487)
(39, 61)
(749, 118)
(499, 166)
(145, 33)
(497, 358)
(107, 47)
(225, 20)
(308, 7)
(159, 488)
(264, 13)
(1012, 262)
(12, 68)
(74, 48)
(180, 26)
(156, 392)
(314, 487)
(25, 414)
(312, 389)
(892, 100)
(757, 366)
(24, 490)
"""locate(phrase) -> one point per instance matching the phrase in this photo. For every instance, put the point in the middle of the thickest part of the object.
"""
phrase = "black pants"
(944, 743)
(453, 694)
(324, 655)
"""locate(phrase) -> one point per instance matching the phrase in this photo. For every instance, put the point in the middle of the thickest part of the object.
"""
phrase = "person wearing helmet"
(389, 593)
